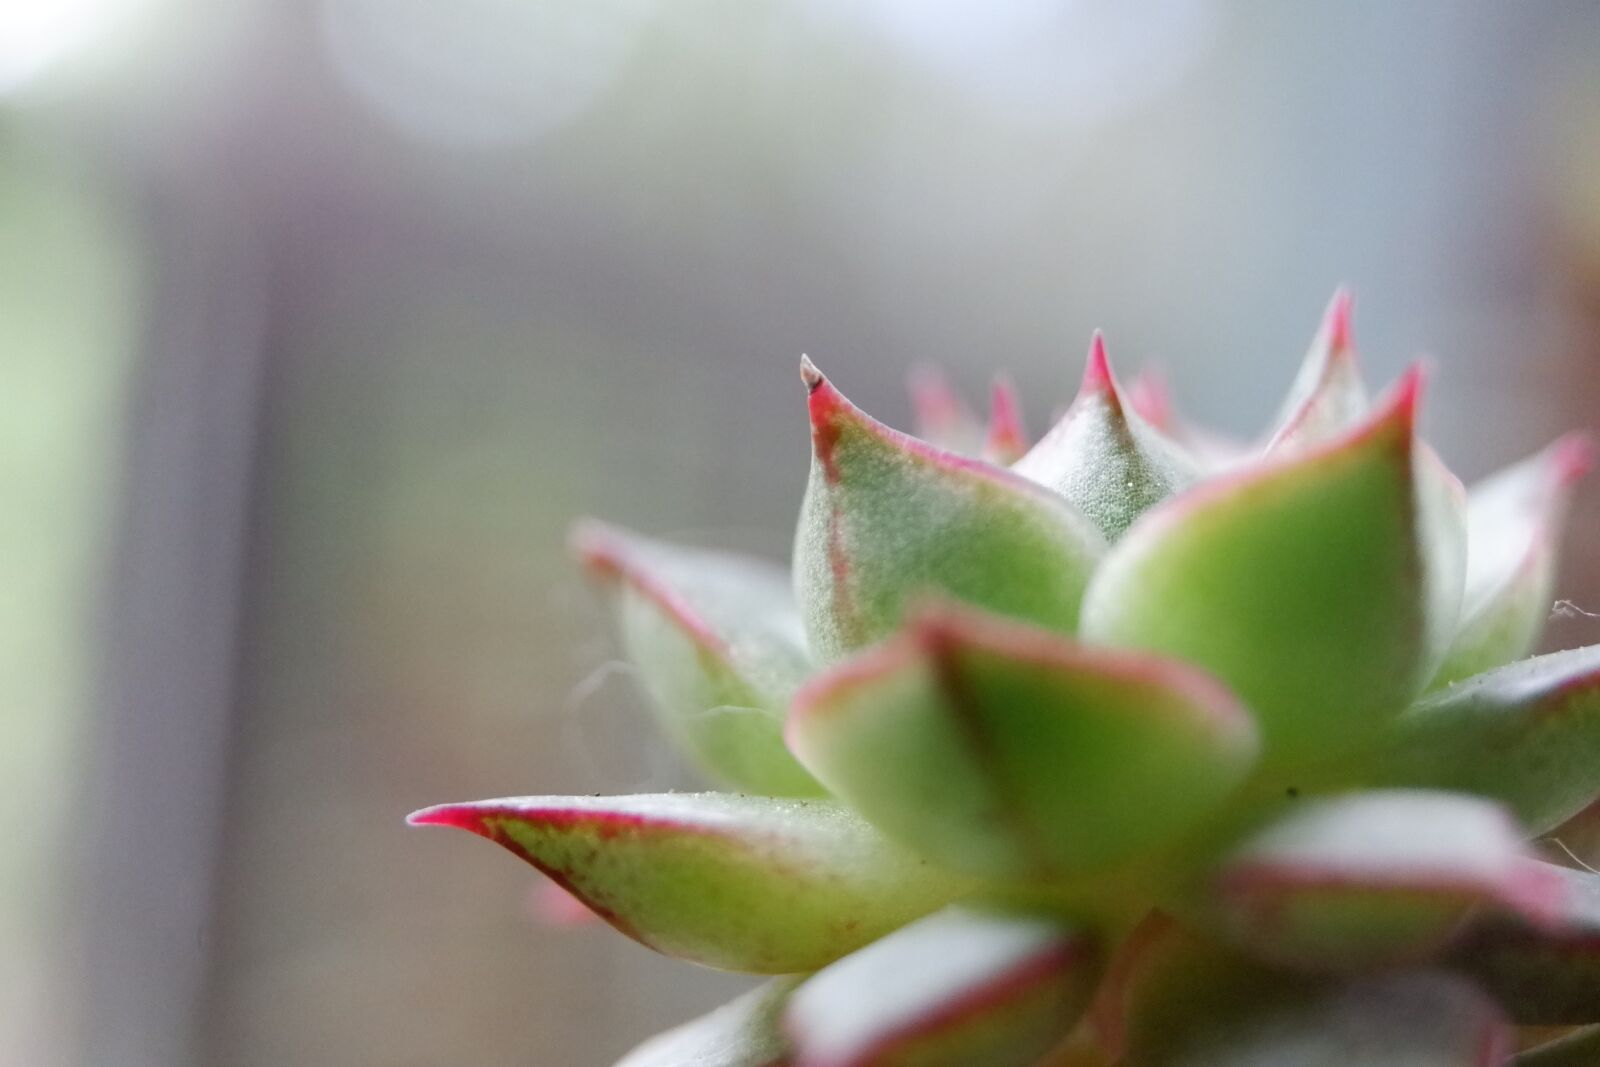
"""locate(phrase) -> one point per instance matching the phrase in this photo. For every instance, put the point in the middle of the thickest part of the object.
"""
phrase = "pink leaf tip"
(1337, 322)
(467, 817)
(1400, 407)
(1572, 457)
(810, 374)
(1151, 399)
(1006, 440)
(1097, 372)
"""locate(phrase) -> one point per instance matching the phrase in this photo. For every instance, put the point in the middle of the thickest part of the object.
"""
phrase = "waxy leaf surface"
(1514, 522)
(887, 518)
(1527, 734)
(1104, 457)
(1547, 974)
(741, 1033)
(1304, 584)
(1328, 395)
(1006, 750)
(1376, 878)
(741, 883)
(1421, 1019)
(719, 648)
(959, 988)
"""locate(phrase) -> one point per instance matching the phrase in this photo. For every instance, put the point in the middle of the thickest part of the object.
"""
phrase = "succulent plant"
(1134, 747)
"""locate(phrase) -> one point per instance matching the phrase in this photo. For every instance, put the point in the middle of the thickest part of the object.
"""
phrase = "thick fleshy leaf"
(1004, 749)
(741, 883)
(1376, 878)
(1006, 439)
(887, 518)
(719, 647)
(1175, 999)
(1308, 584)
(1422, 1019)
(742, 1033)
(1527, 735)
(942, 417)
(959, 988)
(1514, 522)
(1104, 457)
(1544, 974)
(1580, 1048)
(1328, 395)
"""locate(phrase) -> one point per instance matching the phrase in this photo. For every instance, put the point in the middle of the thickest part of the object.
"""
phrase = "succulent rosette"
(1135, 747)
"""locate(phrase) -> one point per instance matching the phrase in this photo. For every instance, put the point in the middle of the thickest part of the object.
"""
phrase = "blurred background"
(321, 319)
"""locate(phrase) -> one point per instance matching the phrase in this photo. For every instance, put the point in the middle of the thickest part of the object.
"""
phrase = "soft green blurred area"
(69, 315)
(320, 320)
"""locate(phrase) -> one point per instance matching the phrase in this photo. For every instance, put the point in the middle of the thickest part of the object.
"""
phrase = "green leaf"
(1514, 522)
(887, 517)
(1578, 1049)
(1307, 584)
(1003, 749)
(959, 988)
(741, 1033)
(719, 647)
(1376, 878)
(1328, 395)
(1104, 457)
(1173, 998)
(740, 883)
(1420, 1019)
(1545, 974)
(1527, 735)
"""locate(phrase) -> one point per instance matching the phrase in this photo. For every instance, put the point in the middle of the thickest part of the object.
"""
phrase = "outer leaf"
(1527, 734)
(741, 1033)
(1104, 457)
(1423, 1019)
(886, 517)
(1007, 750)
(1514, 527)
(719, 646)
(1547, 975)
(1173, 999)
(1376, 878)
(1328, 395)
(1578, 1049)
(740, 883)
(959, 988)
(1301, 583)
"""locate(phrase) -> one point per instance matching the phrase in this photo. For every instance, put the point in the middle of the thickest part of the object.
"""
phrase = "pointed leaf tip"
(1105, 458)
(1337, 323)
(887, 517)
(756, 884)
(1328, 394)
(1572, 457)
(1150, 396)
(1097, 376)
(466, 817)
(1006, 440)
(809, 374)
